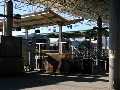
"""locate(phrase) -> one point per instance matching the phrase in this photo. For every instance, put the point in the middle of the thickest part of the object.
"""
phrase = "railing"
(78, 55)
(83, 53)
(75, 52)
(86, 54)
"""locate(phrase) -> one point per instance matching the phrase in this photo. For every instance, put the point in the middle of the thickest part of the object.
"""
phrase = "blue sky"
(20, 8)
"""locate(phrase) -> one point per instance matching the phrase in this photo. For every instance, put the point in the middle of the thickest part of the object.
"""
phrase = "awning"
(45, 18)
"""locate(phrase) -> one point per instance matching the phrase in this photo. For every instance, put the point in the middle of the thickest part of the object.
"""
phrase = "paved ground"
(39, 81)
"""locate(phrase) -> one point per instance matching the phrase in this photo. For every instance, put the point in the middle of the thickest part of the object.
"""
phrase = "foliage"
(74, 34)
(85, 8)
(85, 44)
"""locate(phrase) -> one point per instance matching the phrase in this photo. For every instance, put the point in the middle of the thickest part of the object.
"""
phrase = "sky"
(20, 8)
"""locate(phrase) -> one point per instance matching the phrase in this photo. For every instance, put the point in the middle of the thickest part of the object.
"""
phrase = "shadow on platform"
(36, 80)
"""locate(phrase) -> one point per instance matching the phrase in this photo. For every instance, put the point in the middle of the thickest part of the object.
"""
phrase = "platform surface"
(51, 82)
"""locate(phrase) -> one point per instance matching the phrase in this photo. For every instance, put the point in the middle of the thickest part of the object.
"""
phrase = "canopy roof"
(45, 18)
(85, 8)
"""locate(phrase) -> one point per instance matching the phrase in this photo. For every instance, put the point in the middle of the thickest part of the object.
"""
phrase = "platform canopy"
(44, 18)
(90, 9)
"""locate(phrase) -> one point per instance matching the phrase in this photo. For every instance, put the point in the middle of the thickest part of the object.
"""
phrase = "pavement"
(44, 81)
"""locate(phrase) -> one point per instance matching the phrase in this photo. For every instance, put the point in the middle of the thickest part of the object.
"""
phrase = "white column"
(60, 39)
(72, 52)
(4, 24)
(36, 62)
(4, 27)
(29, 57)
(39, 51)
(60, 47)
(114, 61)
(26, 34)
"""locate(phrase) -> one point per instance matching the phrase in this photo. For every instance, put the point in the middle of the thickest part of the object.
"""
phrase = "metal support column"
(114, 54)
(4, 24)
(60, 39)
(26, 34)
(9, 12)
(99, 38)
(60, 46)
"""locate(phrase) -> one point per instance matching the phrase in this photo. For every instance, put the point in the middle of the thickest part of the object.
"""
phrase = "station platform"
(44, 81)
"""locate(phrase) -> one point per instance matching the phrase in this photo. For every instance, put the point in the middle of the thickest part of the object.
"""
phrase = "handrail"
(75, 52)
(75, 48)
